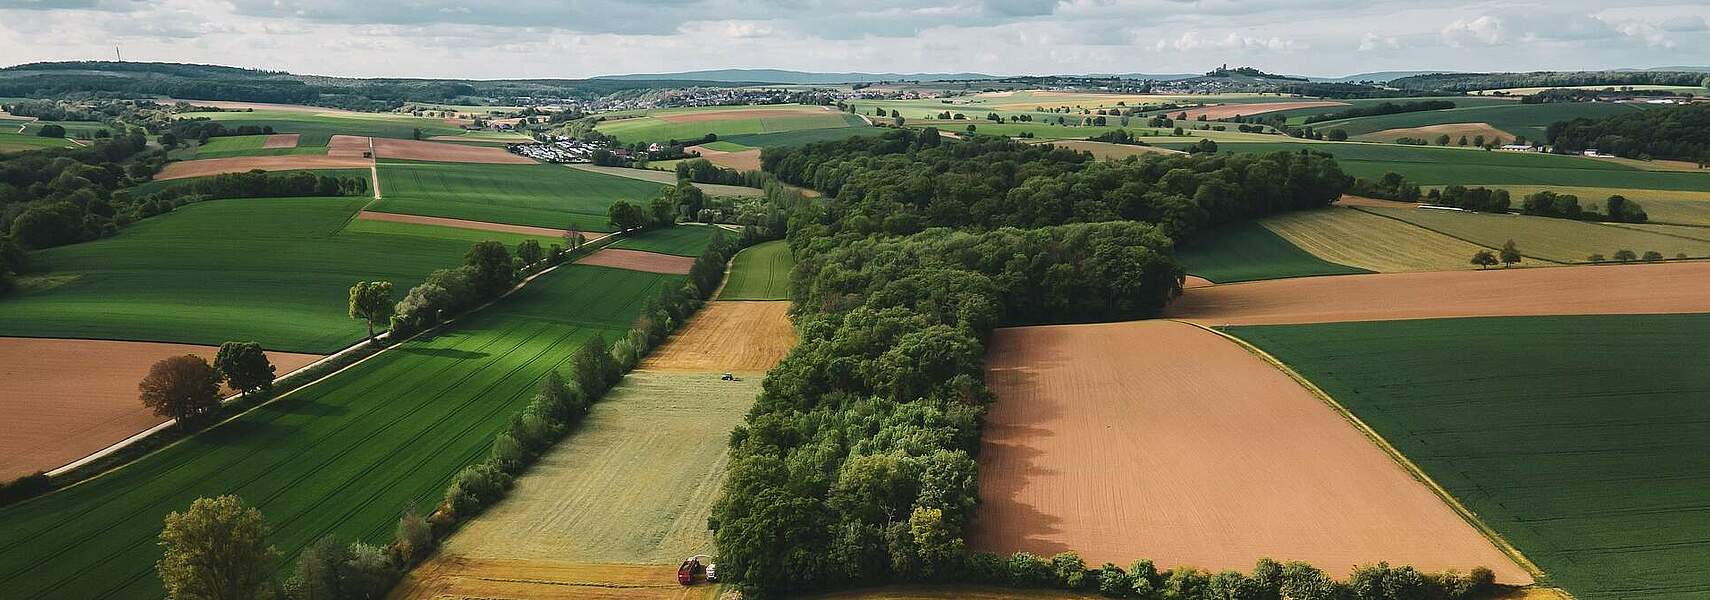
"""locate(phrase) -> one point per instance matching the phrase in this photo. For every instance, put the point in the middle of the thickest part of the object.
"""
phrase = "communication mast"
(116, 55)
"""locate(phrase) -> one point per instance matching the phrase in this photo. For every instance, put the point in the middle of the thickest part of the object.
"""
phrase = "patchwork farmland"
(535, 195)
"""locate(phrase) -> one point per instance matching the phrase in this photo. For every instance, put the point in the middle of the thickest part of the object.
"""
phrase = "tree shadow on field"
(311, 408)
(1014, 468)
(444, 352)
(244, 432)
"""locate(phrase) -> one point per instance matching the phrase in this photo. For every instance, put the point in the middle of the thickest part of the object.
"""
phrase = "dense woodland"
(1383, 108)
(1467, 82)
(1676, 132)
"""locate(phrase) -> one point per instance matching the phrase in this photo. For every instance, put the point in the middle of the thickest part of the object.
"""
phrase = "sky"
(492, 39)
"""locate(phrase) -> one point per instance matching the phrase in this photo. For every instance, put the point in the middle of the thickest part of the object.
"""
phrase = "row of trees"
(1509, 256)
(1383, 108)
(1268, 580)
(488, 271)
(1544, 203)
(1676, 132)
(186, 387)
(1467, 82)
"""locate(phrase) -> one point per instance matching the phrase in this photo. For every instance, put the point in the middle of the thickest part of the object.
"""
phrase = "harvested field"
(464, 578)
(1676, 287)
(1370, 242)
(637, 260)
(1225, 111)
(746, 160)
(1161, 440)
(1247, 251)
(350, 146)
(1347, 200)
(1654, 165)
(282, 140)
(1430, 132)
(1554, 240)
(442, 152)
(64, 399)
(288, 162)
(1109, 151)
(727, 115)
(735, 337)
(464, 224)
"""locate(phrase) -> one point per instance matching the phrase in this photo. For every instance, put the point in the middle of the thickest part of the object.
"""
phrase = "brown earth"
(443, 152)
(1659, 288)
(637, 260)
(65, 399)
(242, 164)
(349, 146)
(1193, 281)
(722, 115)
(282, 140)
(1224, 111)
(1162, 440)
(446, 577)
(746, 160)
(464, 224)
(1109, 151)
(731, 336)
(1430, 132)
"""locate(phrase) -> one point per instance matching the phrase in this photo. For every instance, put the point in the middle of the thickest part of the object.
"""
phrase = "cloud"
(1486, 30)
(1371, 41)
(1194, 40)
(101, 5)
(1685, 24)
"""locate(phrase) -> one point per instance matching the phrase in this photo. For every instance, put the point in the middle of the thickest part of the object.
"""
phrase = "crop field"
(207, 274)
(1527, 91)
(407, 225)
(683, 240)
(800, 137)
(747, 337)
(537, 195)
(251, 145)
(1362, 240)
(1100, 431)
(1248, 251)
(462, 577)
(1297, 117)
(1556, 240)
(1521, 119)
(1593, 458)
(1455, 131)
(656, 173)
(340, 457)
(300, 159)
(317, 125)
(760, 272)
(689, 124)
(1434, 166)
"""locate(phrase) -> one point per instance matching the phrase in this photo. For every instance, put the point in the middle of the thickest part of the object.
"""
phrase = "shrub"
(1070, 570)
(1653, 256)
(414, 539)
(1112, 581)
(1029, 571)
(475, 487)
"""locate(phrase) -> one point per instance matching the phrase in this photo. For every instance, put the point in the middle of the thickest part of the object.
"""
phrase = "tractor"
(694, 567)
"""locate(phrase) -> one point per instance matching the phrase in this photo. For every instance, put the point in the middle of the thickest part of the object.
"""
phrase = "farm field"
(445, 152)
(1362, 240)
(1593, 459)
(1555, 240)
(65, 399)
(760, 272)
(668, 178)
(741, 160)
(251, 145)
(1098, 431)
(1528, 120)
(747, 337)
(1672, 287)
(1527, 91)
(537, 195)
(1663, 206)
(1455, 131)
(689, 124)
(338, 457)
(1109, 151)
(204, 167)
(17, 142)
(470, 232)
(687, 240)
(317, 125)
(1247, 251)
(638, 260)
(445, 578)
(799, 137)
(205, 274)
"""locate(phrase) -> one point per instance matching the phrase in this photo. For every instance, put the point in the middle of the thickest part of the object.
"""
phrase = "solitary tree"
(51, 131)
(1337, 135)
(1596, 258)
(1443, 140)
(1484, 259)
(1510, 254)
(1653, 256)
(371, 301)
(180, 387)
(1625, 255)
(245, 366)
(573, 237)
(216, 550)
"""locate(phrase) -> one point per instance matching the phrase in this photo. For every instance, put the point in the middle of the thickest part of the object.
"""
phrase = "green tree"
(216, 550)
(938, 546)
(625, 216)
(1463, 141)
(1653, 256)
(1510, 254)
(245, 366)
(181, 387)
(1337, 135)
(1625, 255)
(494, 271)
(529, 252)
(1484, 259)
(371, 301)
(51, 131)
(1443, 140)
(1596, 258)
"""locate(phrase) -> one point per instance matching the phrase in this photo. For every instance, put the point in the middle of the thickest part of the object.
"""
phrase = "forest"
(1467, 82)
(1676, 132)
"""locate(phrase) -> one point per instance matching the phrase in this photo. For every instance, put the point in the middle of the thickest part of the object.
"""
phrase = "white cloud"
(1371, 41)
(1486, 30)
(1194, 40)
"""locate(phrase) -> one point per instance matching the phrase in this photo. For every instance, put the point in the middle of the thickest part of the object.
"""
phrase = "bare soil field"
(1655, 288)
(349, 146)
(63, 399)
(443, 152)
(282, 140)
(725, 115)
(1192, 281)
(731, 336)
(1224, 111)
(241, 164)
(459, 577)
(637, 260)
(1161, 440)
(1430, 133)
(746, 160)
(1109, 151)
(463, 224)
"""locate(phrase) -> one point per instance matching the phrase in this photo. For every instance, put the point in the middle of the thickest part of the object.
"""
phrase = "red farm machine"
(695, 568)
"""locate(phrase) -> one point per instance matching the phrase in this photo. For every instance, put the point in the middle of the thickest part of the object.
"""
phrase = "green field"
(247, 145)
(760, 272)
(1246, 251)
(797, 138)
(724, 146)
(1297, 117)
(652, 128)
(207, 273)
(1558, 240)
(1585, 441)
(340, 457)
(318, 128)
(19, 142)
(682, 240)
(1519, 119)
(538, 195)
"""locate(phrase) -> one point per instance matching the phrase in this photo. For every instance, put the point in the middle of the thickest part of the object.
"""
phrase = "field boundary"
(1405, 221)
(1540, 578)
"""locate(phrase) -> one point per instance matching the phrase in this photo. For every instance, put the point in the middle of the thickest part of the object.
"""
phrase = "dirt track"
(242, 164)
(637, 260)
(1682, 287)
(444, 152)
(735, 337)
(282, 140)
(1224, 111)
(463, 224)
(1161, 440)
(64, 399)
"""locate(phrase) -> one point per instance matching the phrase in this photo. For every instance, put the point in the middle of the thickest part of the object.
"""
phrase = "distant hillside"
(1377, 76)
(1466, 82)
(793, 77)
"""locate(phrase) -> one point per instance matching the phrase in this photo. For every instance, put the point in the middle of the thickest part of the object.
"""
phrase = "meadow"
(690, 124)
(10, 141)
(343, 457)
(797, 138)
(319, 127)
(537, 195)
(1584, 441)
(207, 274)
(760, 272)
(1556, 240)
(1527, 120)
(683, 240)
(1246, 251)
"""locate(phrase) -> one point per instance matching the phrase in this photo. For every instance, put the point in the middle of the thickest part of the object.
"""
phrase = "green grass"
(16, 142)
(1585, 441)
(1246, 251)
(760, 272)
(1559, 240)
(681, 240)
(538, 195)
(1519, 119)
(805, 136)
(157, 186)
(275, 271)
(318, 128)
(441, 232)
(724, 146)
(789, 118)
(340, 457)
(245, 145)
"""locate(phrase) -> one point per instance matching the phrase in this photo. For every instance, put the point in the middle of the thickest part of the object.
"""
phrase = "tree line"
(1467, 82)
(1676, 132)
(1383, 108)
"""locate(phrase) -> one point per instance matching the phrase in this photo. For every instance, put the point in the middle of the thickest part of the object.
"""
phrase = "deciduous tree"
(181, 387)
(1510, 254)
(245, 366)
(216, 550)
(371, 301)
(1484, 259)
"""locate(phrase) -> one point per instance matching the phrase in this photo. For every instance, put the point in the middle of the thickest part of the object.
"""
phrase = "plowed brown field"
(444, 152)
(1224, 111)
(746, 160)
(62, 399)
(1678, 287)
(242, 164)
(463, 224)
(733, 337)
(458, 577)
(1161, 440)
(282, 140)
(636, 260)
